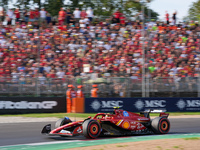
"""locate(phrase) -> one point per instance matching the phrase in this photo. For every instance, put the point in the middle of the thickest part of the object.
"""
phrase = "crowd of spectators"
(36, 45)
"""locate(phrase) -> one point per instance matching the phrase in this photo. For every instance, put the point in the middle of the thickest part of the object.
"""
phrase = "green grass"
(85, 115)
(159, 147)
(192, 138)
(58, 115)
(182, 113)
(121, 145)
(179, 147)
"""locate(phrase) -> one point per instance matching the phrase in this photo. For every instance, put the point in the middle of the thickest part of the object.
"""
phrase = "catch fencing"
(108, 87)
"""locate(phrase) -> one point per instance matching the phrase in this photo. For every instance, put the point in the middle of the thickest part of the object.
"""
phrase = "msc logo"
(181, 104)
(193, 103)
(139, 104)
(111, 104)
(106, 104)
(95, 105)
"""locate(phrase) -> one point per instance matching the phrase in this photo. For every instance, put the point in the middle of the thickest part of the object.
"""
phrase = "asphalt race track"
(24, 133)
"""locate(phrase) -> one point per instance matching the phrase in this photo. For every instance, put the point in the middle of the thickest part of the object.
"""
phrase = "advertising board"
(93, 105)
(20, 105)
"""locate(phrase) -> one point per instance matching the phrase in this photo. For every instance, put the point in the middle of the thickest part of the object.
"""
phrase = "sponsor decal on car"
(64, 131)
(125, 113)
(119, 122)
(139, 126)
(126, 125)
(143, 119)
(79, 130)
(133, 127)
(133, 122)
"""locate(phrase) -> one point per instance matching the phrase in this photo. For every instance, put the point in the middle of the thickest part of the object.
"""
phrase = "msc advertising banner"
(93, 105)
(20, 105)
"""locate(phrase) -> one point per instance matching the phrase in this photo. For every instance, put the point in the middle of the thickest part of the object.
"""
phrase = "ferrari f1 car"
(118, 123)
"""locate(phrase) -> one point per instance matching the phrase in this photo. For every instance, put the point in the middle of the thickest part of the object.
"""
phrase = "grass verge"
(192, 138)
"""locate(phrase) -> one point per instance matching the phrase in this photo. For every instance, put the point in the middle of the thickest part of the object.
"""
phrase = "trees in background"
(194, 11)
(4, 3)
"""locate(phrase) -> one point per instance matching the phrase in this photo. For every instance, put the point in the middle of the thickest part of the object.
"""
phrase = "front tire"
(91, 129)
(62, 122)
(160, 125)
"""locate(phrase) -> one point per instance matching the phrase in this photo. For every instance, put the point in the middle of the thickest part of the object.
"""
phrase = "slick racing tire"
(160, 125)
(62, 122)
(91, 129)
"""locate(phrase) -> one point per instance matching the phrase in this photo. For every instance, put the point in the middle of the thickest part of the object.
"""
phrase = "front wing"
(62, 131)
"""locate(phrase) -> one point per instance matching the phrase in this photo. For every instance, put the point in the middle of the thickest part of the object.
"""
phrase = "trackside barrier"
(94, 105)
(68, 105)
(78, 105)
(22, 105)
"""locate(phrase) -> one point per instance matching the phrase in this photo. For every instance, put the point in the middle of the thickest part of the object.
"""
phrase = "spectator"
(43, 15)
(60, 74)
(48, 18)
(117, 16)
(174, 18)
(68, 16)
(83, 14)
(9, 16)
(17, 14)
(32, 15)
(90, 14)
(122, 19)
(82, 22)
(37, 14)
(109, 49)
(2, 15)
(140, 16)
(77, 15)
(41, 79)
(167, 17)
(26, 16)
(61, 16)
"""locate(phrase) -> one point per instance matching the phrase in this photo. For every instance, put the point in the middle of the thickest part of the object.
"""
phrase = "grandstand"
(41, 56)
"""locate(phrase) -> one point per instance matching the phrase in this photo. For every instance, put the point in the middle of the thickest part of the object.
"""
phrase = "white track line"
(120, 138)
(43, 143)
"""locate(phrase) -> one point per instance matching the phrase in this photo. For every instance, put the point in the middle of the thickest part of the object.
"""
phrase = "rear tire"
(91, 129)
(160, 125)
(62, 122)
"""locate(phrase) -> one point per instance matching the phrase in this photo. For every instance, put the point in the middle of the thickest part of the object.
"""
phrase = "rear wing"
(147, 112)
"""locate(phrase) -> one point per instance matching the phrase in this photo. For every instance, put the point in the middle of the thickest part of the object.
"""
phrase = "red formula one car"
(119, 123)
